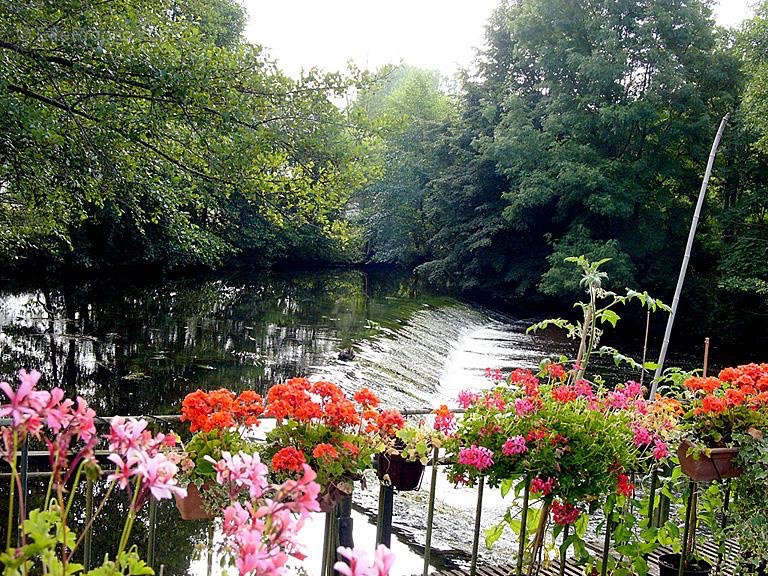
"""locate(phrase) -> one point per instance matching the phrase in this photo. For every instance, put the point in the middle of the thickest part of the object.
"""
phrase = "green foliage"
(145, 131)
(749, 523)
(407, 108)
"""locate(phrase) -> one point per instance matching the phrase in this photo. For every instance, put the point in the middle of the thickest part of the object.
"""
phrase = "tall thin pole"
(687, 256)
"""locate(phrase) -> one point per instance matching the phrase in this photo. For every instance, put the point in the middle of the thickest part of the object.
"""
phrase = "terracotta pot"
(718, 465)
(669, 565)
(191, 507)
(403, 475)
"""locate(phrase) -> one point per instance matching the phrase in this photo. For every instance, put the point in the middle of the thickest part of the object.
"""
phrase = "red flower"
(556, 371)
(564, 513)
(543, 487)
(351, 448)
(288, 459)
(624, 486)
(711, 404)
(537, 434)
(325, 451)
(390, 421)
(366, 398)
(563, 394)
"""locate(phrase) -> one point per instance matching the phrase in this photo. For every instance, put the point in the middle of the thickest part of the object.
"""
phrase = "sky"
(433, 34)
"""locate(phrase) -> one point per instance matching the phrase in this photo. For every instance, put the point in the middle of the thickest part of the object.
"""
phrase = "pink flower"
(513, 446)
(633, 389)
(83, 420)
(467, 398)
(660, 449)
(476, 456)
(583, 389)
(241, 471)
(27, 403)
(58, 412)
(543, 487)
(234, 516)
(123, 473)
(524, 407)
(158, 475)
(358, 562)
(642, 436)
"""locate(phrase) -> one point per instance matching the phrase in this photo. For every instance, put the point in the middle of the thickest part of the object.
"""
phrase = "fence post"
(151, 532)
(345, 522)
(430, 512)
(523, 528)
(384, 518)
(89, 524)
(478, 514)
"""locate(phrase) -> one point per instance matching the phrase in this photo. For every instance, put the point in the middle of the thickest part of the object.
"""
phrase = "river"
(138, 347)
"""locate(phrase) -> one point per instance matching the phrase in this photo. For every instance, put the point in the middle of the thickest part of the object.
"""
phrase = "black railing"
(338, 521)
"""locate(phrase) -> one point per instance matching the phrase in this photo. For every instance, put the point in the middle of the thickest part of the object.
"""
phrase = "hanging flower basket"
(669, 565)
(191, 506)
(404, 475)
(334, 493)
(719, 464)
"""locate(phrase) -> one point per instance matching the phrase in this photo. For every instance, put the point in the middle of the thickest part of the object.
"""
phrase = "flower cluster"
(50, 416)
(358, 562)
(319, 425)
(220, 409)
(261, 534)
(731, 403)
(555, 427)
(139, 459)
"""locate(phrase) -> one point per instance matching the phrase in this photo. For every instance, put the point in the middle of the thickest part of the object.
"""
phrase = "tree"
(585, 131)
(140, 131)
(407, 108)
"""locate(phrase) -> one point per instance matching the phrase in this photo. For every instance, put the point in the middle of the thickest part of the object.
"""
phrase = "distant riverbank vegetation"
(150, 132)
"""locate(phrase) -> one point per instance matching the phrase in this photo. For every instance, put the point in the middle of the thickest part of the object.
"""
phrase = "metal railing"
(338, 522)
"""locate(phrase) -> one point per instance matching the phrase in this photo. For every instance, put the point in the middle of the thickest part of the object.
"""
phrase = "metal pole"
(384, 518)
(88, 518)
(687, 256)
(523, 528)
(151, 532)
(724, 524)
(326, 544)
(430, 512)
(24, 475)
(606, 544)
(689, 511)
(478, 514)
(561, 572)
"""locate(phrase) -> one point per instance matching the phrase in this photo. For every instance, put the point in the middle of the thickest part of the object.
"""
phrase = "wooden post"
(430, 512)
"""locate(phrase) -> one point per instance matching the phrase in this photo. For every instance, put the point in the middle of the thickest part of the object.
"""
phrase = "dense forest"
(150, 132)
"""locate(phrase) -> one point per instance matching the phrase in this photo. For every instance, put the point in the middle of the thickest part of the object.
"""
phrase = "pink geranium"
(514, 446)
(467, 398)
(358, 562)
(476, 456)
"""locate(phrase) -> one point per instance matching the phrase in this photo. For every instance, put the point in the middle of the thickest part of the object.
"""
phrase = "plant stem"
(538, 540)
(74, 488)
(128, 522)
(13, 487)
(99, 508)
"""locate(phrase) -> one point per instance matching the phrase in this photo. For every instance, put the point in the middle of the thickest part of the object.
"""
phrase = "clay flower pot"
(403, 474)
(191, 507)
(669, 565)
(718, 465)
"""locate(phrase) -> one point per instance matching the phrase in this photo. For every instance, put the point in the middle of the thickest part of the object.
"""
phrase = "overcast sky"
(435, 34)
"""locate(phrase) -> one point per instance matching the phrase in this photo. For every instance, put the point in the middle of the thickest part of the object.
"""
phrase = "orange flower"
(351, 448)
(219, 409)
(288, 459)
(366, 398)
(390, 421)
(706, 385)
(322, 451)
(711, 404)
